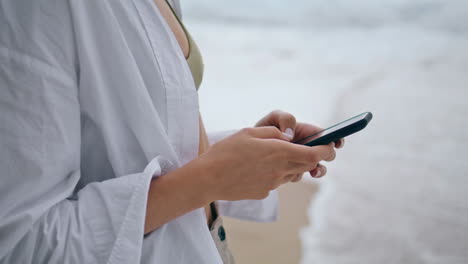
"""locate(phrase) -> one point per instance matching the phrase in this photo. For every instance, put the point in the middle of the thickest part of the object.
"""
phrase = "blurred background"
(398, 191)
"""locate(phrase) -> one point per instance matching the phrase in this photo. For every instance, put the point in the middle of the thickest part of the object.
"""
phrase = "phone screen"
(331, 129)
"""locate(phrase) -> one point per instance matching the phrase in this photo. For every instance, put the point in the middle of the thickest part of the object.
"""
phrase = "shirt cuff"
(125, 199)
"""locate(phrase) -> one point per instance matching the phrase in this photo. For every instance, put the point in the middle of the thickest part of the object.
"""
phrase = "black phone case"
(341, 133)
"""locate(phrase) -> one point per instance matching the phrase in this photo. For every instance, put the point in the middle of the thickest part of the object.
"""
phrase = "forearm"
(176, 193)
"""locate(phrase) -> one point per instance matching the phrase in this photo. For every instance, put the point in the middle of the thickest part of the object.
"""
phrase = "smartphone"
(340, 130)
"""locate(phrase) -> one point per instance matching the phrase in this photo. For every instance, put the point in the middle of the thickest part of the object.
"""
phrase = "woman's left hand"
(286, 122)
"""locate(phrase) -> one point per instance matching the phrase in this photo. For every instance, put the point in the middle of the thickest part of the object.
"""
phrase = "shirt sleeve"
(41, 220)
(265, 210)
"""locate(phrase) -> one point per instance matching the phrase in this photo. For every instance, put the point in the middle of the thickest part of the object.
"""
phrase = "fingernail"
(319, 173)
(289, 133)
(316, 174)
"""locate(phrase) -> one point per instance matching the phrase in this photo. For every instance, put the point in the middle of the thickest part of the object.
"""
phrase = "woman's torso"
(192, 54)
(112, 95)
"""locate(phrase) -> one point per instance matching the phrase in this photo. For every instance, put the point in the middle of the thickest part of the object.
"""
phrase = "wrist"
(205, 179)
(178, 192)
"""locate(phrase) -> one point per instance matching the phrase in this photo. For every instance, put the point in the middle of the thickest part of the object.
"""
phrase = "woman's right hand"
(254, 161)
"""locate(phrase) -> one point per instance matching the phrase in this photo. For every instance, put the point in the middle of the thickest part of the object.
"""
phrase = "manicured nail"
(289, 133)
(318, 174)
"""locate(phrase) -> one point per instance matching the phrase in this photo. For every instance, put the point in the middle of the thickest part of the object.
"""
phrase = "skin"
(173, 23)
(284, 120)
(246, 165)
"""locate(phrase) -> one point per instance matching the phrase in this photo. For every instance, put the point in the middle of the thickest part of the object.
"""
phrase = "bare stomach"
(209, 216)
(203, 146)
(184, 45)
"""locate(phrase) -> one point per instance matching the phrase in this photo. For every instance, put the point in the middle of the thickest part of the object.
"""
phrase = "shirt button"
(221, 233)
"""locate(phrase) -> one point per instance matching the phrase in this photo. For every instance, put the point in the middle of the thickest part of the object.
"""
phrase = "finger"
(339, 143)
(323, 170)
(288, 178)
(297, 178)
(316, 171)
(286, 123)
(306, 154)
(319, 171)
(266, 132)
(304, 130)
(329, 155)
(299, 168)
(278, 118)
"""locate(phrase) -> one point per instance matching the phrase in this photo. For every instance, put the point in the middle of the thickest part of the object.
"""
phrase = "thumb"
(287, 124)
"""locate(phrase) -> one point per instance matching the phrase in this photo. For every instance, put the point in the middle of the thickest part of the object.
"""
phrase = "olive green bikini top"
(194, 59)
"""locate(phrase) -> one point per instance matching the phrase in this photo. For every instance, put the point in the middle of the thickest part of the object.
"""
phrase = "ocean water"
(297, 56)
(313, 14)
(397, 192)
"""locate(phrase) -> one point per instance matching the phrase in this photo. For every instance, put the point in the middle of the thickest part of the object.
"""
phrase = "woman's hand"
(286, 122)
(254, 161)
(246, 165)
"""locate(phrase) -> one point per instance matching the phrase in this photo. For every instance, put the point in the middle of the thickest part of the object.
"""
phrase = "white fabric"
(96, 98)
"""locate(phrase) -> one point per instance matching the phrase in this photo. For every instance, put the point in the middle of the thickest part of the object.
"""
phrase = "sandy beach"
(397, 191)
(277, 242)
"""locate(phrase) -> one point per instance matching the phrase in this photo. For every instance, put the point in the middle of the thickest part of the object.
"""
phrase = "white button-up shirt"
(96, 99)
